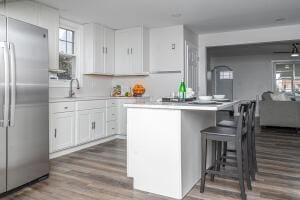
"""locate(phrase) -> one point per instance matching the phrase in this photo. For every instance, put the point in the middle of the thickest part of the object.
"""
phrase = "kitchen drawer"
(62, 107)
(112, 103)
(112, 113)
(111, 128)
(89, 105)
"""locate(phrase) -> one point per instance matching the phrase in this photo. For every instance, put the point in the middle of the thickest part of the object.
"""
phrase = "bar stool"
(251, 140)
(225, 134)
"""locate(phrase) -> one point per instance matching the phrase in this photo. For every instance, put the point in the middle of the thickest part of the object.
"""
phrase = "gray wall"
(252, 73)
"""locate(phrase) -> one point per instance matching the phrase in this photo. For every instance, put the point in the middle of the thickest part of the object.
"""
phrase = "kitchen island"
(164, 145)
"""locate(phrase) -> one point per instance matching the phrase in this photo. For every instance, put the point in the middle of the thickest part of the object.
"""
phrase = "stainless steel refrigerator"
(24, 126)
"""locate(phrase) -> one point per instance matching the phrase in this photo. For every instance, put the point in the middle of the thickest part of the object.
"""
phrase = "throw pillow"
(280, 97)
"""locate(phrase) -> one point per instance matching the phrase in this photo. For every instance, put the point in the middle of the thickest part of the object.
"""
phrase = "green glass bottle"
(182, 90)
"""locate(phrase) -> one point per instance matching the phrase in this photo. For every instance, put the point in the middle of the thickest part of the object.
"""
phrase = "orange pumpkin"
(138, 90)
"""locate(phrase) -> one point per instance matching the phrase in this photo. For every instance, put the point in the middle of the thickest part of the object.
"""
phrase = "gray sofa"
(279, 113)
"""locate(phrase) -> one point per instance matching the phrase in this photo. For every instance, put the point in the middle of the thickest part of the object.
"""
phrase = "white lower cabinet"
(90, 125)
(73, 124)
(99, 120)
(84, 127)
(112, 117)
(62, 133)
(111, 128)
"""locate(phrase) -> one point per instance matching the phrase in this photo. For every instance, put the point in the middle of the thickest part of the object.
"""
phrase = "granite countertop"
(90, 98)
(181, 106)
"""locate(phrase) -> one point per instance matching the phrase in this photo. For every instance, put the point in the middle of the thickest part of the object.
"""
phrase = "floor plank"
(99, 173)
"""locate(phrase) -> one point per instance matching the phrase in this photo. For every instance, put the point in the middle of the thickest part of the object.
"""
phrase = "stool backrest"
(252, 113)
(243, 121)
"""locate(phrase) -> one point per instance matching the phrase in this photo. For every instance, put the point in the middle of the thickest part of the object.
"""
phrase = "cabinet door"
(98, 117)
(111, 128)
(63, 132)
(122, 50)
(99, 49)
(49, 19)
(26, 11)
(166, 49)
(2, 10)
(135, 43)
(84, 127)
(109, 51)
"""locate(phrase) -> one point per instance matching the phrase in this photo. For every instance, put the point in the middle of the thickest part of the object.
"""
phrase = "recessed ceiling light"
(280, 19)
(176, 15)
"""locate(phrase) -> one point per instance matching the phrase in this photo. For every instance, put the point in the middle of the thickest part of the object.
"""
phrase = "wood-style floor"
(99, 173)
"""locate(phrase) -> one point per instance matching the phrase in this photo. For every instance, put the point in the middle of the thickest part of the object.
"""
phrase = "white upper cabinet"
(39, 15)
(49, 19)
(109, 35)
(26, 11)
(98, 49)
(132, 51)
(167, 49)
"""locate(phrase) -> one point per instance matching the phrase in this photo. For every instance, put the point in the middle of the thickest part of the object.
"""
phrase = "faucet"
(71, 93)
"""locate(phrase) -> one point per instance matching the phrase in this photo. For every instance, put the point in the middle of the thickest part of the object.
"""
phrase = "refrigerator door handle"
(4, 46)
(13, 84)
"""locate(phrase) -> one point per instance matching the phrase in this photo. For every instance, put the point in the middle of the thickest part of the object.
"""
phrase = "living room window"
(287, 77)
(226, 75)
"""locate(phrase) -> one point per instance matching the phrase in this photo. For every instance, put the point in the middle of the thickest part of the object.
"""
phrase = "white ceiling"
(202, 16)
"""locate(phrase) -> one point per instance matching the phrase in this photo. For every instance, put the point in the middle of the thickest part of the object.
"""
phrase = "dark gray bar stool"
(225, 134)
(251, 139)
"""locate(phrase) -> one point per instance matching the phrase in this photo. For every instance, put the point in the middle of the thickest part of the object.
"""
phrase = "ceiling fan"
(294, 52)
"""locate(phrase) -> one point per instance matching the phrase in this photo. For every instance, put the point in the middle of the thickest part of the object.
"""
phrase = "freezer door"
(28, 137)
(2, 129)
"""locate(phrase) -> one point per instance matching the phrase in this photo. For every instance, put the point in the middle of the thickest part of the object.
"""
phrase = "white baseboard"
(84, 146)
(122, 137)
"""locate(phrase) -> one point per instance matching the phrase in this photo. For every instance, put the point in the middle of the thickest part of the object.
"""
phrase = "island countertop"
(181, 106)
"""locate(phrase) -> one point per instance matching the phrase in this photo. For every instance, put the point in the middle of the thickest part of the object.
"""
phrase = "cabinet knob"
(173, 46)
(55, 131)
(66, 107)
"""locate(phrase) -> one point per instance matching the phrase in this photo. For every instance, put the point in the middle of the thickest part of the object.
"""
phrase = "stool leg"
(254, 150)
(224, 152)
(246, 162)
(250, 155)
(203, 162)
(219, 155)
(240, 169)
(213, 159)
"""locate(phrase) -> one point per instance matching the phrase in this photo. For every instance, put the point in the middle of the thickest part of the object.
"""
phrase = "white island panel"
(164, 145)
(192, 122)
(154, 157)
